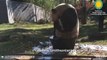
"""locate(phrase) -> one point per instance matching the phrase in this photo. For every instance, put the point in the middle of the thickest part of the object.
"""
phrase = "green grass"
(99, 42)
(90, 30)
(20, 38)
(25, 26)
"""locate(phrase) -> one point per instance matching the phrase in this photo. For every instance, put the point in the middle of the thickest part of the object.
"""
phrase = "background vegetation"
(47, 4)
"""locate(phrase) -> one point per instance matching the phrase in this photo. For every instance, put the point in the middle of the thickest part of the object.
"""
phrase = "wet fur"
(69, 20)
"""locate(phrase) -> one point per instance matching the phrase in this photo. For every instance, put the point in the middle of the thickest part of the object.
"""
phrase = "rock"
(13, 11)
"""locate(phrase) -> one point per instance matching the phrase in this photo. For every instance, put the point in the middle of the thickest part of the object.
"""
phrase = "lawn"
(89, 34)
(20, 38)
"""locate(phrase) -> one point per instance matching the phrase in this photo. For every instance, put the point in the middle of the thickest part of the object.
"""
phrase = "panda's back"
(68, 18)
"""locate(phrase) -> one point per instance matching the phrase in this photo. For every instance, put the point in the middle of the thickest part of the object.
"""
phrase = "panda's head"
(59, 10)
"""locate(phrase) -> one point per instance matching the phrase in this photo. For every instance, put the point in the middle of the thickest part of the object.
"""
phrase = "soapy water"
(46, 48)
(94, 47)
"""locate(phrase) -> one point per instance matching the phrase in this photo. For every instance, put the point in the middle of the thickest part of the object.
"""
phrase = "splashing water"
(44, 48)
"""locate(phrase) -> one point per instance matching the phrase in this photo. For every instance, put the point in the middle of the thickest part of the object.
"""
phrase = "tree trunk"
(101, 23)
(84, 12)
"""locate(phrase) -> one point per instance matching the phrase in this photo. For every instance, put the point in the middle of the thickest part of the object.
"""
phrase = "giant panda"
(66, 26)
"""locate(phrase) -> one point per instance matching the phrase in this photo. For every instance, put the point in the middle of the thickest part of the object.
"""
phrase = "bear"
(66, 26)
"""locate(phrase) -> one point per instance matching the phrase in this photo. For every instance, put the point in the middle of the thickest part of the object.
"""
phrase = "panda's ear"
(53, 11)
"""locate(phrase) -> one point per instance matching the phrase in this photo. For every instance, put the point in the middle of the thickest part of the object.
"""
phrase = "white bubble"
(2, 56)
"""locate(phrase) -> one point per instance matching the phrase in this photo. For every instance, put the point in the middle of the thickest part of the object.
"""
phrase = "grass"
(101, 42)
(20, 38)
(25, 26)
(89, 34)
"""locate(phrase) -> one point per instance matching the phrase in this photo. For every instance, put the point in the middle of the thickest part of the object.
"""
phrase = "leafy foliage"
(46, 4)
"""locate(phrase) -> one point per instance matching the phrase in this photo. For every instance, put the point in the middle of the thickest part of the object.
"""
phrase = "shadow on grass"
(90, 33)
(85, 30)
(15, 41)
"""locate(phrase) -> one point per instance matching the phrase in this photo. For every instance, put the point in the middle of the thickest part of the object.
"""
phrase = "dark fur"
(60, 43)
(68, 19)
